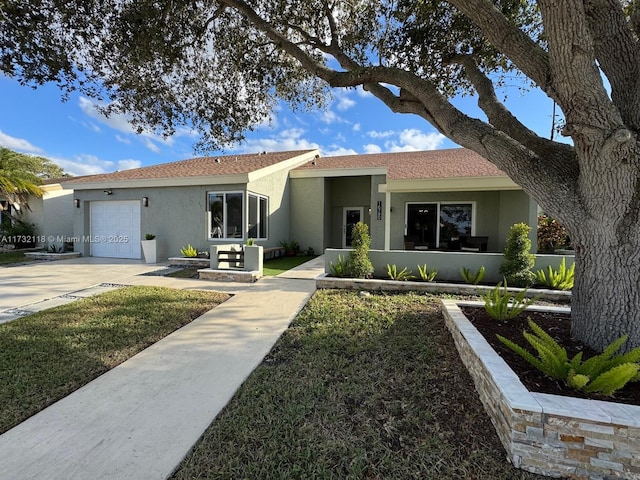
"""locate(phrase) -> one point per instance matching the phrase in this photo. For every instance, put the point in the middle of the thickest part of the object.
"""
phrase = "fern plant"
(402, 275)
(339, 269)
(501, 304)
(562, 279)
(604, 373)
(427, 275)
(189, 251)
(473, 278)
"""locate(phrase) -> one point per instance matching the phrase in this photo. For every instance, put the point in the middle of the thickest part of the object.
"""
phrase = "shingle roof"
(449, 163)
(195, 167)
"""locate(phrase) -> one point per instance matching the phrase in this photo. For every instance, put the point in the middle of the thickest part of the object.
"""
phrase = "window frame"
(439, 206)
(259, 199)
(225, 235)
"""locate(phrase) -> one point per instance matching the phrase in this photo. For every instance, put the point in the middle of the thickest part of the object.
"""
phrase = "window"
(225, 215)
(257, 218)
(438, 225)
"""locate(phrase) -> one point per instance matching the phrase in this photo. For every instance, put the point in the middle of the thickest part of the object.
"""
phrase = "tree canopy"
(21, 175)
(222, 65)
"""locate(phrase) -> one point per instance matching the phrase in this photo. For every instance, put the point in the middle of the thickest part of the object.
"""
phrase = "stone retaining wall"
(548, 434)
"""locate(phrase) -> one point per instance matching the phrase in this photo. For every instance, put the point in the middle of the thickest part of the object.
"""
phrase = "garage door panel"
(115, 229)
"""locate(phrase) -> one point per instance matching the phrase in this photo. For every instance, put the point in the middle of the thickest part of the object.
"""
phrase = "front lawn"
(47, 355)
(360, 386)
(12, 257)
(276, 266)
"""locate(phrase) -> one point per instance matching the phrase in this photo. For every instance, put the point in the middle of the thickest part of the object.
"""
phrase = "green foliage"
(473, 278)
(339, 269)
(604, 373)
(501, 304)
(291, 246)
(562, 279)
(427, 275)
(189, 251)
(54, 248)
(518, 262)
(149, 236)
(19, 232)
(359, 264)
(551, 234)
(250, 242)
(402, 275)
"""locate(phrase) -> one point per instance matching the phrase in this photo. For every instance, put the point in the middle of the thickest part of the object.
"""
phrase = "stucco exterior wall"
(515, 207)
(376, 226)
(53, 216)
(307, 212)
(347, 192)
(278, 189)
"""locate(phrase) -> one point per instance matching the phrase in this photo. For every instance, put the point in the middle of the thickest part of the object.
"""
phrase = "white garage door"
(115, 229)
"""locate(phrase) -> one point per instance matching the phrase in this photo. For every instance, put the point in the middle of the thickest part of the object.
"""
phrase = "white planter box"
(149, 250)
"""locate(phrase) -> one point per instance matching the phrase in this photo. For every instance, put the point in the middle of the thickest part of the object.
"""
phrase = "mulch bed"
(558, 326)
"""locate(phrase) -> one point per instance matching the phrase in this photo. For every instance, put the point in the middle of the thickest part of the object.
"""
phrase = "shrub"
(604, 373)
(149, 236)
(427, 275)
(250, 242)
(291, 246)
(359, 264)
(501, 304)
(189, 251)
(551, 234)
(473, 278)
(562, 279)
(516, 268)
(20, 233)
(340, 269)
(402, 275)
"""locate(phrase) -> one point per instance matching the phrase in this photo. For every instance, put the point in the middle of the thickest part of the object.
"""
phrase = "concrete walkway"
(140, 419)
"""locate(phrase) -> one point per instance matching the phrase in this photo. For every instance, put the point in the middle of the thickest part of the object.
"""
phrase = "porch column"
(387, 220)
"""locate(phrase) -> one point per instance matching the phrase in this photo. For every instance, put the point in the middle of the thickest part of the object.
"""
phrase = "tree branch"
(618, 56)
(501, 118)
(529, 57)
(576, 76)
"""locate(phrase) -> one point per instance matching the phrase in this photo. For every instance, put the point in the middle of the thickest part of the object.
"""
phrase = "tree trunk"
(606, 292)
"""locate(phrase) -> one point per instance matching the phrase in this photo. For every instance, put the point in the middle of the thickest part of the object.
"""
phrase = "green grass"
(47, 355)
(358, 387)
(12, 257)
(276, 266)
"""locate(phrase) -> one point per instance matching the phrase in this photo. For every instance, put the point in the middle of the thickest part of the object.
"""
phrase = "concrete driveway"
(29, 283)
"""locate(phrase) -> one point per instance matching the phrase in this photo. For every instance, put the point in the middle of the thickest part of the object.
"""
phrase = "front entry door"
(350, 217)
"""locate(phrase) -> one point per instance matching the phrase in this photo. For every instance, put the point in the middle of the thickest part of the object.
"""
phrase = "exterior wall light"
(108, 192)
(145, 201)
(76, 202)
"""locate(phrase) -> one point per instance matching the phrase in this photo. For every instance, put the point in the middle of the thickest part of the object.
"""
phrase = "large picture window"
(225, 215)
(438, 225)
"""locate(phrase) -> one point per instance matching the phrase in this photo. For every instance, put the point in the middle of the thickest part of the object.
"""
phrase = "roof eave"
(452, 184)
(161, 182)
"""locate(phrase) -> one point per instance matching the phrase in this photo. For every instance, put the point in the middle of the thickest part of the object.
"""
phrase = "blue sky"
(77, 137)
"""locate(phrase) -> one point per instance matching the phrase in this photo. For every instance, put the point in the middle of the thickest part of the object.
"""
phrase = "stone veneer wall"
(548, 434)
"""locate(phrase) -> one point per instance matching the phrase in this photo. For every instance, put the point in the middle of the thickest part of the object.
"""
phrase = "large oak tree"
(221, 65)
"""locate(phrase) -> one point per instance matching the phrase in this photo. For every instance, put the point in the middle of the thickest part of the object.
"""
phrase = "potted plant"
(149, 248)
(290, 248)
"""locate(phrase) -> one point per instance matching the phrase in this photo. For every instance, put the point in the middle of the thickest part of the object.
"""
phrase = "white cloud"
(336, 151)
(412, 139)
(18, 144)
(150, 145)
(85, 164)
(120, 122)
(356, 127)
(343, 100)
(376, 134)
(290, 139)
(372, 148)
(362, 93)
(122, 139)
